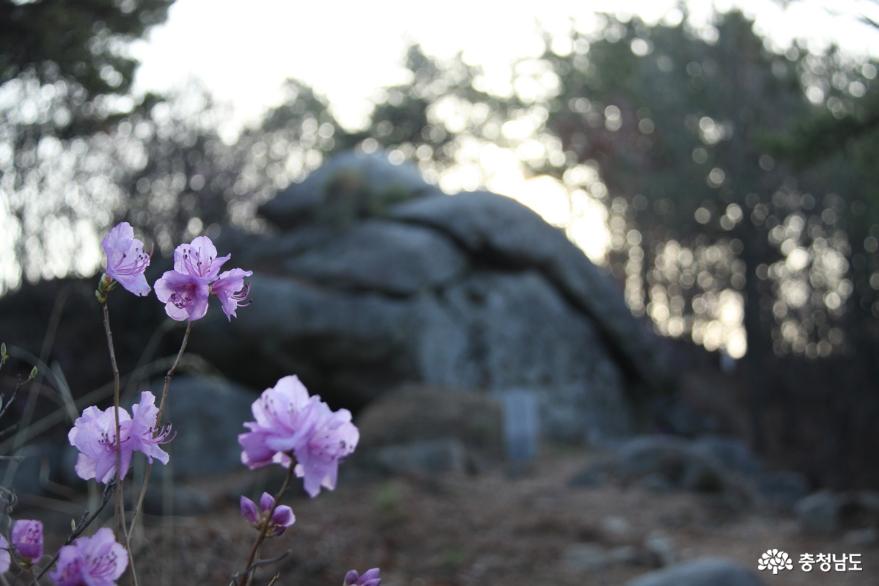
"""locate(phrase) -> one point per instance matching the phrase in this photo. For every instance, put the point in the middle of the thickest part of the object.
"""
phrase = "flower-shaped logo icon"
(774, 560)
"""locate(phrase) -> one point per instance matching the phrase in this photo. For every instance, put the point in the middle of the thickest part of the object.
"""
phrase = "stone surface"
(348, 186)
(702, 572)
(505, 232)
(37, 464)
(826, 511)
(591, 557)
(207, 414)
(384, 257)
(415, 415)
(428, 457)
(666, 463)
(386, 281)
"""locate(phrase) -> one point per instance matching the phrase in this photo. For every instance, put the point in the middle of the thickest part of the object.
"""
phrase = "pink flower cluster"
(185, 290)
(290, 428)
(289, 423)
(91, 561)
(196, 276)
(94, 435)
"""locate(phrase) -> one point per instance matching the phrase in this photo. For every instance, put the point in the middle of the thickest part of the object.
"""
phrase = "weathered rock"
(412, 415)
(702, 572)
(383, 257)
(590, 557)
(207, 414)
(782, 489)
(37, 464)
(732, 453)
(671, 462)
(830, 512)
(502, 231)
(467, 292)
(348, 186)
(488, 330)
(427, 457)
(666, 463)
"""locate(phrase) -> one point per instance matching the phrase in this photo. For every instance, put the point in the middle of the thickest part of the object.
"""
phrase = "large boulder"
(368, 278)
(472, 291)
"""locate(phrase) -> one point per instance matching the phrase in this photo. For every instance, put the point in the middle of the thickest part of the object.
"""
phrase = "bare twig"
(79, 528)
(120, 497)
(149, 468)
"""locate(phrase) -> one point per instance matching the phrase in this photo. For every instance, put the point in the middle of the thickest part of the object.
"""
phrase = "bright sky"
(243, 50)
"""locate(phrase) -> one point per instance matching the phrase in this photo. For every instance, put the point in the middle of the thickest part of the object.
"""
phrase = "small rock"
(661, 547)
(702, 572)
(829, 512)
(589, 557)
(414, 415)
(782, 488)
(866, 536)
(616, 527)
(819, 512)
(439, 456)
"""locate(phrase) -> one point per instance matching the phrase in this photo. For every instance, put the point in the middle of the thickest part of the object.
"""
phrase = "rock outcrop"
(374, 279)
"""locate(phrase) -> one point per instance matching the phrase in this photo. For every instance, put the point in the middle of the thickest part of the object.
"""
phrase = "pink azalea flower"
(27, 538)
(196, 275)
(126, 260)
(5, 558)
(367, 578)
(94, 435)
(289, 422)
(91, 561)
(144, 436)
(280, 517)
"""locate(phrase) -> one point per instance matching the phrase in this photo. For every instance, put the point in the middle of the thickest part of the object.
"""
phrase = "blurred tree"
(184, 178)
(65, 75)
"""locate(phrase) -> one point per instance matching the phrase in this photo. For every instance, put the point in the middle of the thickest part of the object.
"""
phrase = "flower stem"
(247, 576)
(120, 497)
(149, 468)
(79, 529)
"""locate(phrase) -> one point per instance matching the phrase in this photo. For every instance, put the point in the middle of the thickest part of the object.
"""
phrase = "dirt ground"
(488, 529)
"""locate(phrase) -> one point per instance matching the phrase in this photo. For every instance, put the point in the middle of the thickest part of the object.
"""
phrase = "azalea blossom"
(94, 435)
(279, 518)
(367, 578)
(289, 422)
(126, 260)
(91, 561)
(27, 539)
(196, 275)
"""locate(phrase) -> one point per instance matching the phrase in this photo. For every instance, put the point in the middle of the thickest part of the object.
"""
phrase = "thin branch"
(78, 529)
(120, 502)
(149, 468)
